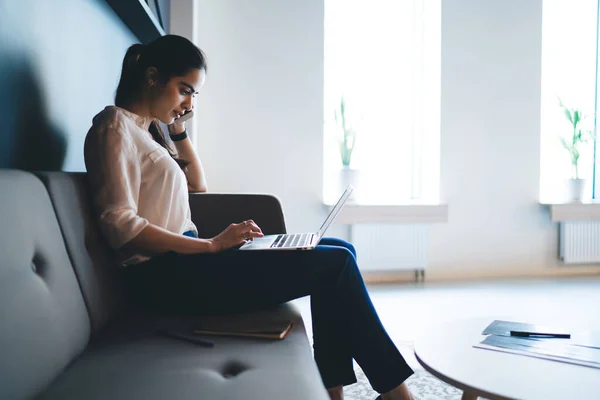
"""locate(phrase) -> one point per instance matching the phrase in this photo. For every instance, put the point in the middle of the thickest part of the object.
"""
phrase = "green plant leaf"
(578, 137)
(348, 139)
(576, 117)
(566, 111)
(568, 115)
(566, 144)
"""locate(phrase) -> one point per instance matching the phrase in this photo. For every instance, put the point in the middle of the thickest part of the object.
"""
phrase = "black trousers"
(345, 323)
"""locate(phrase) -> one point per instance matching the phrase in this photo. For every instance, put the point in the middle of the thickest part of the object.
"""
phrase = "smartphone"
(185, 116)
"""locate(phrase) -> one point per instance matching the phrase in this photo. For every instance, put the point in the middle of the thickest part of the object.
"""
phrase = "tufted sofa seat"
(67, 330)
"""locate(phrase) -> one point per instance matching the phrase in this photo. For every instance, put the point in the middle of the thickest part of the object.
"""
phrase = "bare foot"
(336, 393)
(398, 393)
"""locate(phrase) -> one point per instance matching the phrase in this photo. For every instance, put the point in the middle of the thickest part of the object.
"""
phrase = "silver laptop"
(298, 241)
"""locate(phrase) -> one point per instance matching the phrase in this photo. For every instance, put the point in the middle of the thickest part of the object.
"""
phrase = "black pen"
(186, 337)
(540, 334)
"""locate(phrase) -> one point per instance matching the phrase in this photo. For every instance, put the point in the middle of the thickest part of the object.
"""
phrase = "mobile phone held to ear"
(185, 116)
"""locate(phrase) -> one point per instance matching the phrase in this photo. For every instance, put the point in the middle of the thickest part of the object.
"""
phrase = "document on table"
(578, 338)
(582, 348)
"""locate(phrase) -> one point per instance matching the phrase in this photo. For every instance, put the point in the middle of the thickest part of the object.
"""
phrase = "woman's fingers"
(251, 234)
(249, 229)
(236, 234)
(255, 227)
(252, 224)
(254, 234)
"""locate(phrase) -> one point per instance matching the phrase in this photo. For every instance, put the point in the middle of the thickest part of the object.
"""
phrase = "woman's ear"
(152, 76)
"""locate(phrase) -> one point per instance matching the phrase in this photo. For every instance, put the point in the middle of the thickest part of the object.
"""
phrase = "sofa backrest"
(44, 323)
(92, 258)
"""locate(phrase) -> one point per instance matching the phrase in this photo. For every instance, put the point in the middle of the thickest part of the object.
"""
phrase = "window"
(383, 56)
(569, 71)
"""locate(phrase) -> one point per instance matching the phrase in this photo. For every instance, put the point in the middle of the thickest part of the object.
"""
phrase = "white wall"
(491, 63)
(490, 143)
(262, 106)
(182, 22)
(261, 109)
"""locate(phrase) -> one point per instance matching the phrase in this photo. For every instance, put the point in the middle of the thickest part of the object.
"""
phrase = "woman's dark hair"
(171, 55)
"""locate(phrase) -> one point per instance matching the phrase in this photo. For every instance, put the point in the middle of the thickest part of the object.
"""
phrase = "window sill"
(356, 213)
(574, 211)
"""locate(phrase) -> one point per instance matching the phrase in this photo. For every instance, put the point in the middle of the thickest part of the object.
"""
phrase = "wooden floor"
(410, 308)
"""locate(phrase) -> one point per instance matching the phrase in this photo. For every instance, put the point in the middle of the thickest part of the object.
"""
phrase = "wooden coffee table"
(447, 352)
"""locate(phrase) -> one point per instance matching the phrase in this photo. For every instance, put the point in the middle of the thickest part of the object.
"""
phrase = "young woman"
(140, 188)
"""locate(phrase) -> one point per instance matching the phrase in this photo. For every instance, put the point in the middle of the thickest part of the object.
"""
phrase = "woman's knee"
(351, 248)
(340, 243)
(348, 246)
(345, 261)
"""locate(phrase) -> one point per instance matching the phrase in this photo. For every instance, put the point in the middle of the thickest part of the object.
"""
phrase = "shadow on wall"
(28, 140)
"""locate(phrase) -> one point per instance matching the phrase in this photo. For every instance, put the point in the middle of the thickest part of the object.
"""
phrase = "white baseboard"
(480, 274)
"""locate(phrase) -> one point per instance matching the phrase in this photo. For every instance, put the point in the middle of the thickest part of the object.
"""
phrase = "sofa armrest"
(213, 212)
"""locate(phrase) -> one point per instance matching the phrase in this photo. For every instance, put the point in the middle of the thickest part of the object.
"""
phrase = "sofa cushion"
(93, 260)
(44, 323)
(213, 212)
(127, 360)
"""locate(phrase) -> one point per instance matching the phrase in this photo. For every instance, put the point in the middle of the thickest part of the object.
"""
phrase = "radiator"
(579, 242)
(390, 247)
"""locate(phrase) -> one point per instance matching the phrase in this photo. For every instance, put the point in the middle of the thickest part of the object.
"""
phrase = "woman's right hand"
(235, 235)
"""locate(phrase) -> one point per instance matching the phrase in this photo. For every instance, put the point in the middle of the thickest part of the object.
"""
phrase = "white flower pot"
(576, 189)
(348, 176)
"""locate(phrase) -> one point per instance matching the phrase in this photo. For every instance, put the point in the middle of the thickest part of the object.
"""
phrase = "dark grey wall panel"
(165, 9)
(142, 17)
(60, 62)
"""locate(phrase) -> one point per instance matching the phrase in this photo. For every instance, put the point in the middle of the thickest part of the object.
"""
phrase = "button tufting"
(233, 369)
(37, 264)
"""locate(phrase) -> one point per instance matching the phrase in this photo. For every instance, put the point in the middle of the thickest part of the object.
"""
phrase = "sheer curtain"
(383, 56)
(569, 72)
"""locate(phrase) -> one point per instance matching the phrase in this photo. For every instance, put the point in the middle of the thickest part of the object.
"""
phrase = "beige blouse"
(134, 181)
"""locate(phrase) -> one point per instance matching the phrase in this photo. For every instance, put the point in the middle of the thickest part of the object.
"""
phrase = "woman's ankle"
(336, 393)
(400, 392)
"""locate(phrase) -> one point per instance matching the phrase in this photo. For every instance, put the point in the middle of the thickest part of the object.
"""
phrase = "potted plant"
(346, 142)
(572, 144)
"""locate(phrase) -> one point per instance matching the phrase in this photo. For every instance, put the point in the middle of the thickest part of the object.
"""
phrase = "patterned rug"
(422, 384)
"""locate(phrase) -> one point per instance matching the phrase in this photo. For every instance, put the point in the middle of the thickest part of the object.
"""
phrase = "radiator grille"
(580, 242)
(391, 247)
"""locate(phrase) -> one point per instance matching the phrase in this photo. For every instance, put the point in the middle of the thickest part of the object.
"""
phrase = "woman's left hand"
(176, 127)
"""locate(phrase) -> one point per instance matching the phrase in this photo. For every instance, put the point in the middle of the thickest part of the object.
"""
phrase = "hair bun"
(138, 49)
(133, 54)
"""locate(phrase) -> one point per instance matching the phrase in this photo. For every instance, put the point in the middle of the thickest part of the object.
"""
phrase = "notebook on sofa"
(244, 327)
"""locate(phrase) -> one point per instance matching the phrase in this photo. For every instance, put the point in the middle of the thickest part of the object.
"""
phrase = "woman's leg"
(345, 324)
(317, 304)
(329, 241)
(370, 340)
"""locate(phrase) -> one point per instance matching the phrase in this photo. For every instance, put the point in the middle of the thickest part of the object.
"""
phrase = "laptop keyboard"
(293, 240)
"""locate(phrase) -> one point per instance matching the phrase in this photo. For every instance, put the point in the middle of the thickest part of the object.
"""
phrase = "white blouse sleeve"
(114, 174)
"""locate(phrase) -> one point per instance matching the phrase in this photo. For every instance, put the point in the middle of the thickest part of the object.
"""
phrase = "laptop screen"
(335, 211)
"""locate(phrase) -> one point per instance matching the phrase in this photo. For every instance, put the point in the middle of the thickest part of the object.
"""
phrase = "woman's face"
(177, 96)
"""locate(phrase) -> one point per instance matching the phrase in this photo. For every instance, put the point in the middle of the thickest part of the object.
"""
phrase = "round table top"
(447, 352)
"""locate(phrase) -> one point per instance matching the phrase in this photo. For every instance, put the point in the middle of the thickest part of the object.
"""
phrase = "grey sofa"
(67, 330)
